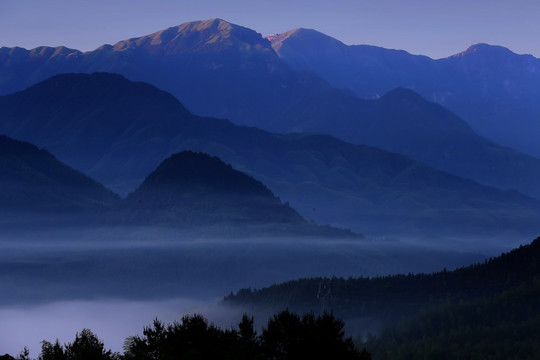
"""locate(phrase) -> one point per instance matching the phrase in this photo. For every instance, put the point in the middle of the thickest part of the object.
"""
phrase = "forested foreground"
(286, 336)
(501, 327)
(483, 311)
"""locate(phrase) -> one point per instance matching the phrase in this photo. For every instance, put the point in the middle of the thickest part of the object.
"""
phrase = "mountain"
(119, 131)
(195, 189)
(490, 87)
(402, 121)
(214, 67)
(33, 182)
(220, 69)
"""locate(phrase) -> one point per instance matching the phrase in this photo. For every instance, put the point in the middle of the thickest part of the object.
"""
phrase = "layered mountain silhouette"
(186, 190)
(493, 89)
(221, 69)
(33, 181)
(119, 131)
(404, 122)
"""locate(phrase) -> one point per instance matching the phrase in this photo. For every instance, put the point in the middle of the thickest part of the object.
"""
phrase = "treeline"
(395, 297)
(286, 336)
(484, 311)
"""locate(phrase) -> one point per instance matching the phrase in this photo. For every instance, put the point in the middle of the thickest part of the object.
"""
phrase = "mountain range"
(493, 89)
(220, 69)
(118, 132)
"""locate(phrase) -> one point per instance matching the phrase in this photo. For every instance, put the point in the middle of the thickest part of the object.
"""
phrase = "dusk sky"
(437, 28)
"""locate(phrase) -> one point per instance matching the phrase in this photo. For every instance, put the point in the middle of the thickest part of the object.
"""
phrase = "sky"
(436, 28)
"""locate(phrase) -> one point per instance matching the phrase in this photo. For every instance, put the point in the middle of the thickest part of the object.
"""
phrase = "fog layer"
(55, 283)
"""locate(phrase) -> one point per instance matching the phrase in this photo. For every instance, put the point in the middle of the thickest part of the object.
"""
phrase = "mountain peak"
(196, 188)
(188, 170)
(303, 37)
(403, 93)
(197, 37)
(485, 50)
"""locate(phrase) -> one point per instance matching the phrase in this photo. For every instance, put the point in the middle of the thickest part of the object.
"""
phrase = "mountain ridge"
(489, 86)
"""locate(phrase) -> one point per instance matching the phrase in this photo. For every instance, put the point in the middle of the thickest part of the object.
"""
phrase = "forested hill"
(198, 190)
(195, 188)
(392, 297)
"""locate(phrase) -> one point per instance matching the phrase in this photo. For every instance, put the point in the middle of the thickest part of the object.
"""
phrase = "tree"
(24, 354)
(51, 352)
(86, 346)
(289, 336)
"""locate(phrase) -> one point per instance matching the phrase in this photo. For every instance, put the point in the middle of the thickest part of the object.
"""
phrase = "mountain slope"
(490, 87)
(33, 181)
(119, 131)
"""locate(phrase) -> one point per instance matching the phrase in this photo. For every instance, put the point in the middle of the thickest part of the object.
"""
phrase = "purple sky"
(437, 28)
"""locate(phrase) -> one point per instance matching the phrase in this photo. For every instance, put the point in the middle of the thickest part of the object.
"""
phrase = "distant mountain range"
(225, 70)
(118, 132)
(493, 89)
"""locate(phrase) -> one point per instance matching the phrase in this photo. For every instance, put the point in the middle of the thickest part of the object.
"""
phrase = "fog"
(116, 281)
(112, 320)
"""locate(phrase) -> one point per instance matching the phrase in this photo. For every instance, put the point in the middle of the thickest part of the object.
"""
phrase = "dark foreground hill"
(489, 310)
(32, 181)
(118, 132)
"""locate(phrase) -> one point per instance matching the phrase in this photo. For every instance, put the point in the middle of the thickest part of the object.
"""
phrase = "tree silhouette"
(86, 346)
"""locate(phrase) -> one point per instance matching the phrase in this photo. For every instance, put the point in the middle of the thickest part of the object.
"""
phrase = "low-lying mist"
(112, 320)
(116, 280)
